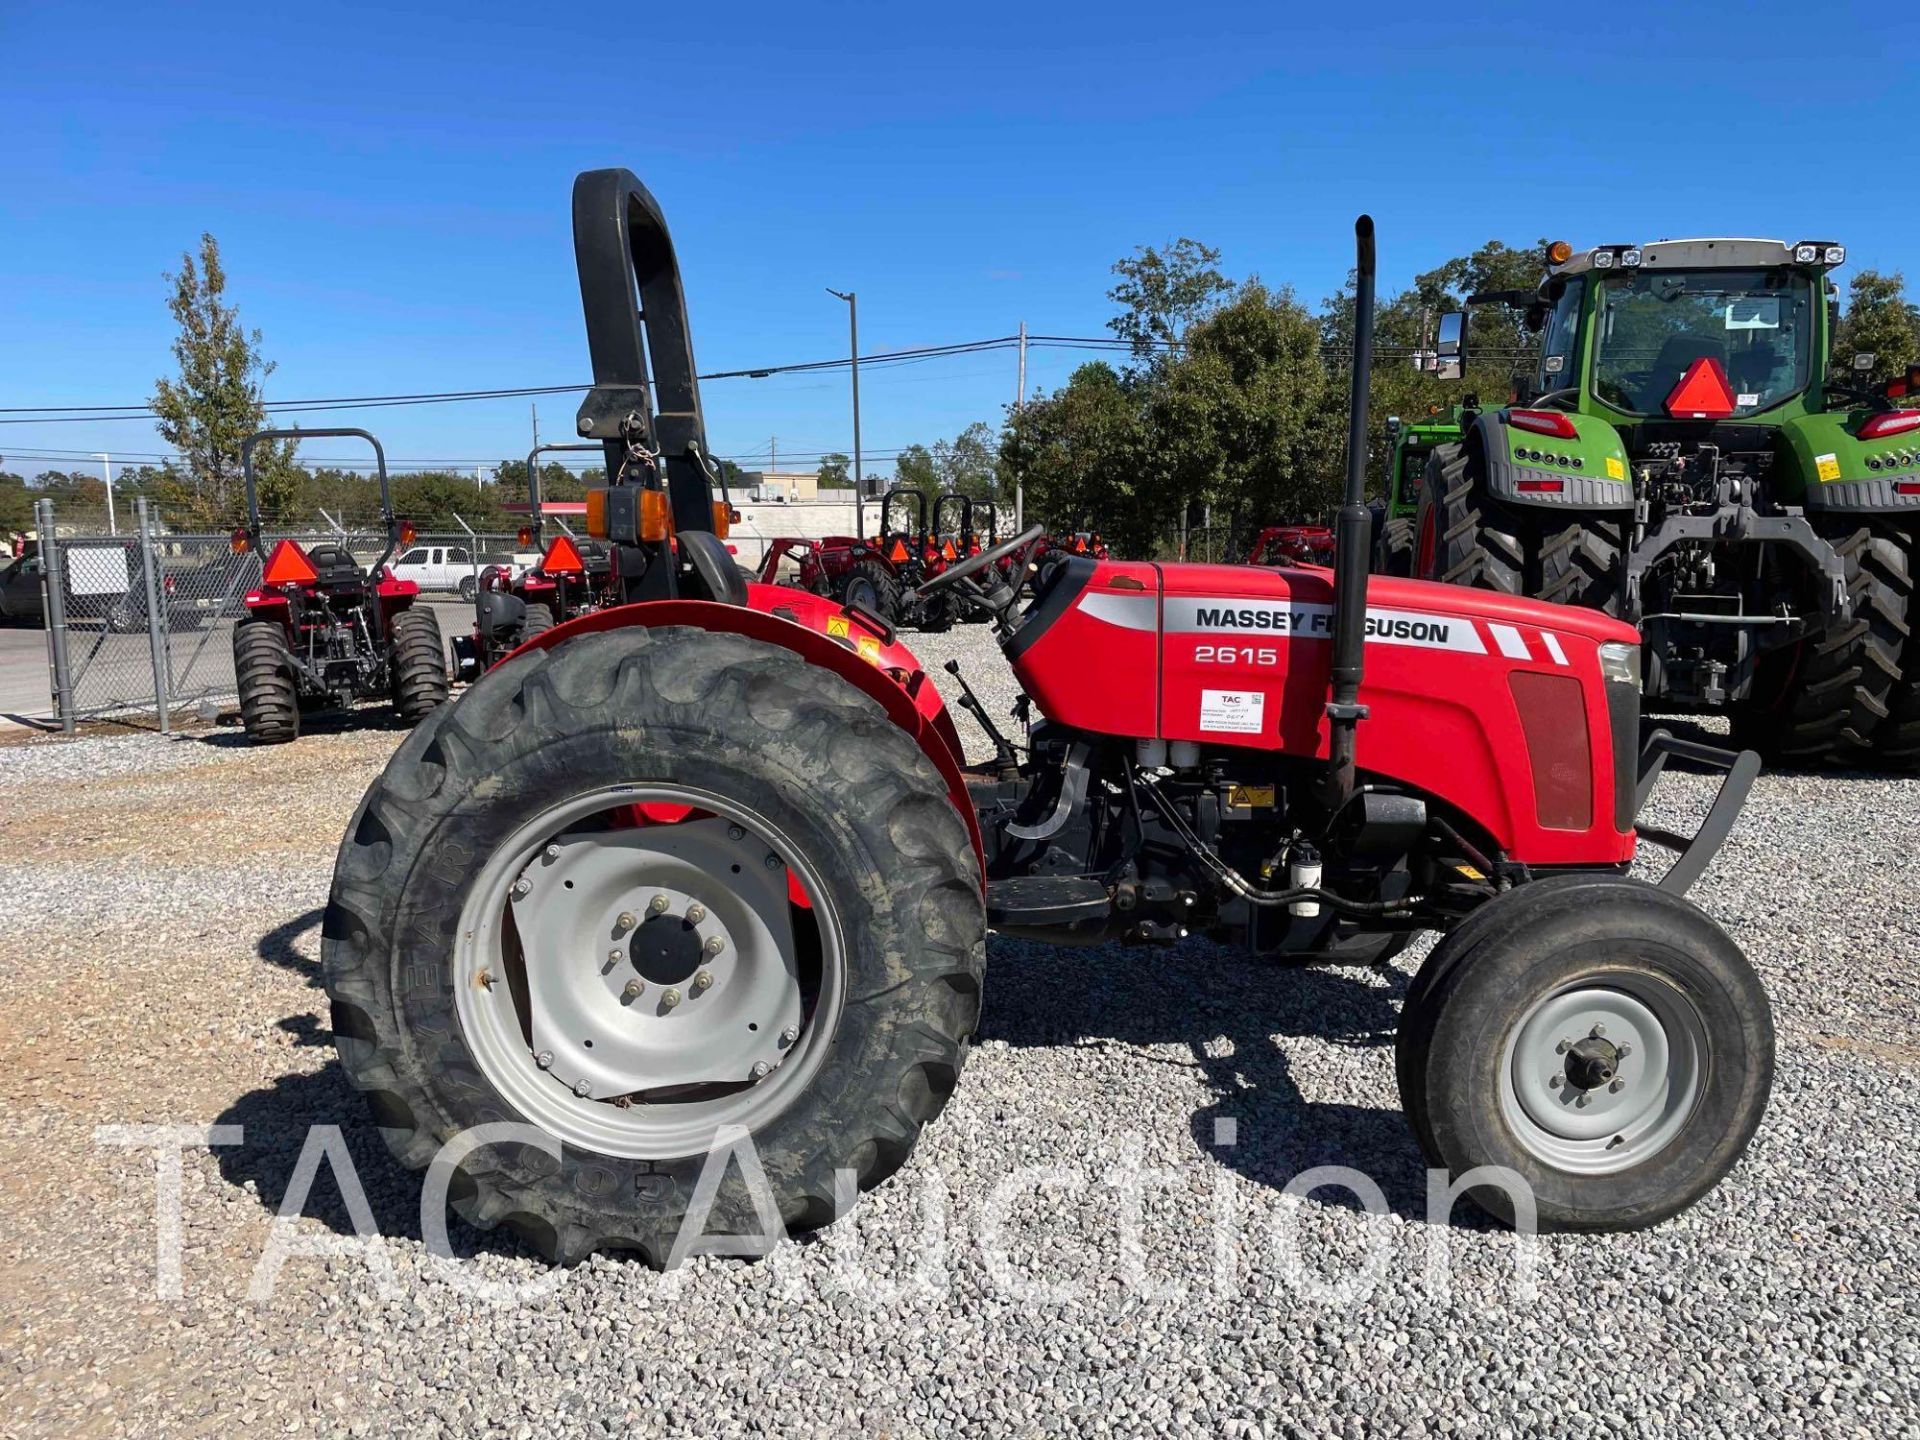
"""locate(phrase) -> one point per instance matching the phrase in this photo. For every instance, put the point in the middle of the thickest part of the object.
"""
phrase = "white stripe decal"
(1129, 612)
(1553, 647)
(1192, 615)
(1512, 644)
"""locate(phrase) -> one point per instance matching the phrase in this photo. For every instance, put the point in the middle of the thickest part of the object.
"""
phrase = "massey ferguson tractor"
(880, 572)
(322, 631)
(510, 608)
(1689, 460)
(709, 867)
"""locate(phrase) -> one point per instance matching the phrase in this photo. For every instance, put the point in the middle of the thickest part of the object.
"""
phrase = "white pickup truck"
(439, 567)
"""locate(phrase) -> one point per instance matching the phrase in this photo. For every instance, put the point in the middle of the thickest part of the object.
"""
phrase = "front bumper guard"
(1693, 854)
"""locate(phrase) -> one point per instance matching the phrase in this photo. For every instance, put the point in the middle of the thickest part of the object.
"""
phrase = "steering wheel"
(974, 564)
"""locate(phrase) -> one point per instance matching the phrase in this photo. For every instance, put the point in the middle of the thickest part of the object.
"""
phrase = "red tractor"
(510, 607)
(1291, 545)
(323, 631)
(698, 888)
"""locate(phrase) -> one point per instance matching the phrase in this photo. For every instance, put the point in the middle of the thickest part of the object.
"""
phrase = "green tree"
(834, 471)
(16, 505)
(1085, 457)
(1879, 321)
(914, 466)
(1248, 418)
(215, 401)
(1161, 293)
(969, 463)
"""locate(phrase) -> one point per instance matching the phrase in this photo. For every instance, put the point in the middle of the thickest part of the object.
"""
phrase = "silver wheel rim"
(630, 990)
(1603, 1073)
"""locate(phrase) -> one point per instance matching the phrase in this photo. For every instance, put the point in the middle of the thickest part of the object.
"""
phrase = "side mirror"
(1450, 348)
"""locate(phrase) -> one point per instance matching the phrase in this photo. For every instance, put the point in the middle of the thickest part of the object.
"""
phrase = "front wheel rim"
(1604, 1073)
(631, 988)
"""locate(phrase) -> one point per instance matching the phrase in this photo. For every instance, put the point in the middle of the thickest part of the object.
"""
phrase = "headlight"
(1629, 258)
(1620, 664)
(1603, 259)
(1834, 255)
(1806, 254)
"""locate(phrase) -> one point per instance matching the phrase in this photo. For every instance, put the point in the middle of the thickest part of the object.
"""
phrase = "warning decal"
(1232, 712)
(1828, 465)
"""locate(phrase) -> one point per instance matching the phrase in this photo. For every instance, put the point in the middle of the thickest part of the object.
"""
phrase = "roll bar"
(387, 518)
(645, 397)
(904, 493)
(533, 482)
(953, 497)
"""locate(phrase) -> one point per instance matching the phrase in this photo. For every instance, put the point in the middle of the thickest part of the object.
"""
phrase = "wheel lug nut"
(614, 955)
(714, 945)
(1616, 1087)
(582, 1089)
(696, 913)
(734, 832)
(760, 1069)
(670, 999)
(789, 1035)
(552, 852)
(702, 980)
(1582, 1100)
(1598, 1031)
(1624, 1049)
(521, 888)
(773, 862)
(657, 905)
(544, 1059)
(625, 921)
(1556, 1081)
(634, 990)
(1562, 1047)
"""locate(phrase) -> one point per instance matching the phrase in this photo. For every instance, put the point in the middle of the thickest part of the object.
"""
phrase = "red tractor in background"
(878, 572)
(698, 888)
(1291, 545)
(322, 631)
(510, 607)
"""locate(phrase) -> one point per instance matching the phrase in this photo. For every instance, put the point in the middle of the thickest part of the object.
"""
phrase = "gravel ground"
(162, 904)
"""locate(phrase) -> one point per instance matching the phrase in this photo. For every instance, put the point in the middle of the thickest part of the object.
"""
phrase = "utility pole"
(1019, 401)
(853, 346)
(106, 464)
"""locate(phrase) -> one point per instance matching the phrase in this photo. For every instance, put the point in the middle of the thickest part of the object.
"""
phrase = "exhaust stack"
(1352, 533)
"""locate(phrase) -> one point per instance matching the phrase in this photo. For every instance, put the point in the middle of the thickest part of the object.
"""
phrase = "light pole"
(853, 340)
(106, 464)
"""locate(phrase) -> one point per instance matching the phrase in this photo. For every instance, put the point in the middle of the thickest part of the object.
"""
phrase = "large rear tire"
(1599, 1037)
(870, 582)
(419, 665)
(263, 675)
(830, 1049)
(1830, 696)
(1465, 536)
(1393, 547)
(1897, 743)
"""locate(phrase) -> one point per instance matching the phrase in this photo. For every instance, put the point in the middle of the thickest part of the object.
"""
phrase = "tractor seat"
(336, 566)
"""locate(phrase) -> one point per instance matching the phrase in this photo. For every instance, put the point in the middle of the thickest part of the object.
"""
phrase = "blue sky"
(390, 184)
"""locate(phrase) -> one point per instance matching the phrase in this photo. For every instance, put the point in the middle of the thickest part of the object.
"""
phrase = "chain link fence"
(140, 625)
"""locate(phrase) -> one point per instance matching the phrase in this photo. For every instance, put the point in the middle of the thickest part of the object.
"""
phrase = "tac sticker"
(839, 625)
(1244, 797)
(1746, 398)
(869, 648)
(1828, 465)
(1232, 712)
(1615, 470)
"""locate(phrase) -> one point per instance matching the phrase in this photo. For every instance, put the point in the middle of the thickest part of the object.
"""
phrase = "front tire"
(1603, 1039)
(872, 583)
(263, 674)
(788, 766)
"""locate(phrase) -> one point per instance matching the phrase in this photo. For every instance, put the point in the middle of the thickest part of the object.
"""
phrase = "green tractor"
(1395, 513)
(1687, 457)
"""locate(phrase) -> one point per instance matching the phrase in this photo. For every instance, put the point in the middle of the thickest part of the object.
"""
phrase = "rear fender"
(822, 634)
